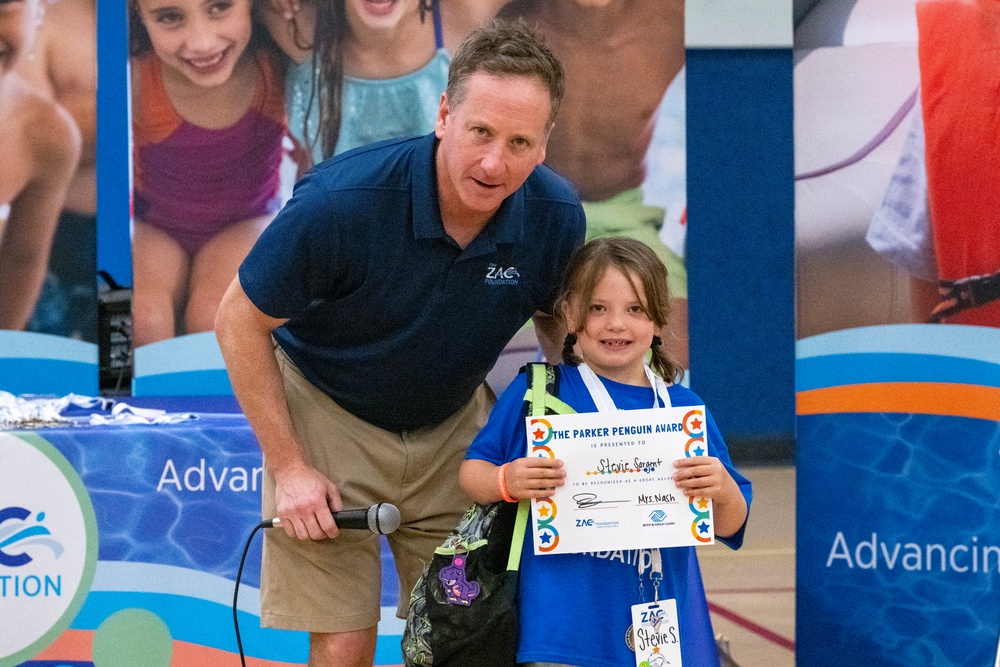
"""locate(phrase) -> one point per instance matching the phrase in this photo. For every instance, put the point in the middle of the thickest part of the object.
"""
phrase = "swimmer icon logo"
(15, 536)
(48, 546)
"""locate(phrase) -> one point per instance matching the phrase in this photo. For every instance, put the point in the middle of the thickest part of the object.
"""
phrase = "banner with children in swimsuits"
(209, 178)
(208, 173)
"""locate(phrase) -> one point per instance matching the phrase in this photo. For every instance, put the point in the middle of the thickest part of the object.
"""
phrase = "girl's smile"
(379, 14)
(207, 65)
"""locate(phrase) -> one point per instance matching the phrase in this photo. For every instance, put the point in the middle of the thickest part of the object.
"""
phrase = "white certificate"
(619, 491)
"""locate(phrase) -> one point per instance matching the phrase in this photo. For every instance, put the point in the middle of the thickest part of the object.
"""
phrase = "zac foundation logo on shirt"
(48, 546)
(499, 275)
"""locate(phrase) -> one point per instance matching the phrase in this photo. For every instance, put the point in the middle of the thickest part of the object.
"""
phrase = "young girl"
(575, 609)
(207, 122)
(40, 148)
(366, 71)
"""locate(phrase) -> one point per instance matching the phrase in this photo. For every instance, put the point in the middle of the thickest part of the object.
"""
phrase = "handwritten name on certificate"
(619, 491)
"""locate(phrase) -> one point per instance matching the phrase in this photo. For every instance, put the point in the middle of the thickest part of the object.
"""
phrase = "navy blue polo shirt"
(387, 314)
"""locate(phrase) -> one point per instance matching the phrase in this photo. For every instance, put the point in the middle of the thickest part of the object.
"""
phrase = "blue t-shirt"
(576, 608)
(387, 314)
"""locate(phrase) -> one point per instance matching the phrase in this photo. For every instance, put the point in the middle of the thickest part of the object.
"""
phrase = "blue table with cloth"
(173, 505)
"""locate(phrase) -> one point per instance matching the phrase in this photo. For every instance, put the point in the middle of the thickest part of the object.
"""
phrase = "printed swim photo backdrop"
(897, 556)
(741, 89)
(631, 163)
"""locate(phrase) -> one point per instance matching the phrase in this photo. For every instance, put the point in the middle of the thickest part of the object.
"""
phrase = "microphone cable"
(236, 588)
(380, 519)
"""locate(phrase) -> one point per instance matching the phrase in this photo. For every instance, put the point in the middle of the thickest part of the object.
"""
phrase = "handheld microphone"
(381, 518)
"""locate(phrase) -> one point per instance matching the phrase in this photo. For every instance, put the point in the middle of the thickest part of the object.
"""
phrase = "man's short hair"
(504, 48)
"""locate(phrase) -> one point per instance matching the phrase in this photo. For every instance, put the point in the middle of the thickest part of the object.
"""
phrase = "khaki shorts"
(335, 585)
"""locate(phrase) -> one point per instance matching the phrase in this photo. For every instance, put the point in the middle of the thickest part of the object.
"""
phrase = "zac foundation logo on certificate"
(619, 491)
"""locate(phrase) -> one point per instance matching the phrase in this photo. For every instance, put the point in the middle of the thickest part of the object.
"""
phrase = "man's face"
(490, 141)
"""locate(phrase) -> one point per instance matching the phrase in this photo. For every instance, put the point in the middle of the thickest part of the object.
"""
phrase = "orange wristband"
(502, 483)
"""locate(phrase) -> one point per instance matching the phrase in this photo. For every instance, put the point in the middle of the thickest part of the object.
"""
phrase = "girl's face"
(19, 20)
(379, 14)
(615, 332)
(199, 39)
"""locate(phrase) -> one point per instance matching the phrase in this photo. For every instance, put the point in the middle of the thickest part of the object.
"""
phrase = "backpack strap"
(537, 388)
(538, 383)
(517, 539)
(542, 398)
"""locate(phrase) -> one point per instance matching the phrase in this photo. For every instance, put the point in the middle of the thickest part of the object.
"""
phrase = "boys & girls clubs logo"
(48, 546)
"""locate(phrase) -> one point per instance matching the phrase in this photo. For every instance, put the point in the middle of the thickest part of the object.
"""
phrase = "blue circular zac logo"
(48, 546)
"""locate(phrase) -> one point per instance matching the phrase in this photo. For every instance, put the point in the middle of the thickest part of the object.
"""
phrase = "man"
(391, 282)
(620, 56)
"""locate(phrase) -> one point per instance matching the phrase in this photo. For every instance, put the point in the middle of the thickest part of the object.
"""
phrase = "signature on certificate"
(585, 500)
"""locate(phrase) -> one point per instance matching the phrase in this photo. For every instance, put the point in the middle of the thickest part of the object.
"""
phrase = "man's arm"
(303, 495)
(550, 334)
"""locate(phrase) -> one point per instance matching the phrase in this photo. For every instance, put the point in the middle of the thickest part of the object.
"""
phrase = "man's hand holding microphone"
(310, 508)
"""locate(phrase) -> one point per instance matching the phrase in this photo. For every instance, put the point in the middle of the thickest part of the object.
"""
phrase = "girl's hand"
(533, 477)
(706, 477)
(702, 476)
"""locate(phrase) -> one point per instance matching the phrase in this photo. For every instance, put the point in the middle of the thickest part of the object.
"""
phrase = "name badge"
(656, 638)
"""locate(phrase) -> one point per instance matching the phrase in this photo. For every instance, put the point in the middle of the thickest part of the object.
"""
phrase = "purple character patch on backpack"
(456, 587)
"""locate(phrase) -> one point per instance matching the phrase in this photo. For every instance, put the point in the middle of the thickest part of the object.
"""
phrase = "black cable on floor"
(236, 589)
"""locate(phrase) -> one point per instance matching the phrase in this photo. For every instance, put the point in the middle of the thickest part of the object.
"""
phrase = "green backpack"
(463, 609)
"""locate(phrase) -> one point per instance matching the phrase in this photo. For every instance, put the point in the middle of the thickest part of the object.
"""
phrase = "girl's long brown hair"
(328, 74)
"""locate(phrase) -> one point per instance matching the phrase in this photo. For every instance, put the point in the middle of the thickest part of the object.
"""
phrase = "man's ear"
(545, 143)
(442, 116)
